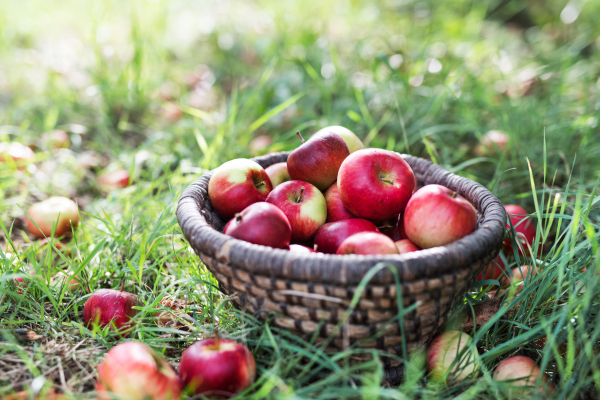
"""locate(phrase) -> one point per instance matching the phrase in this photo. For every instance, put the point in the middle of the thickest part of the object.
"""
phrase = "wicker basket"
(308, 293)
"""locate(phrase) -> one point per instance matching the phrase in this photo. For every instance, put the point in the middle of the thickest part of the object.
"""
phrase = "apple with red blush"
(406, 246)
(352, 141)
(317, 161)
(367, 243)
(16, 153)
(521, 371)
(132, 370)
(336, 210)
(114, 180)
(303, 205)
(261, 223)
(444, 350)
(298, 248)
(492, 142)
(375, 184)
(235, 185)
(436, 216)
(278, 173)
(493, 271)
(524, 227)
(330, 236)
(217, 368)
(110, 307)
(56, 139)
(56, 211)
(514, 283)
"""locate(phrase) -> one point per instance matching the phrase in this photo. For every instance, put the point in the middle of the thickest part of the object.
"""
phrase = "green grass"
(105, 71)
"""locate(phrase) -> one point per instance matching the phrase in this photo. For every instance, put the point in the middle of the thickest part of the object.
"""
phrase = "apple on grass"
(114, 180)
(56, 210)
(278, 173)
(443, 352)
(352, 141)
(436, 216)
(261, 223)
(56, 139)
(110, 307)
(375, 184)
(235, 185)
(522, 371)
(217, 368)
(330, 236)
(317, 161)
(492, 142)
(493, 271)
(525, 228)
(16, 153)
(406, 246)
(367, 243)
(513, 284)
(336, 210)
(132, 370)
(303, 205)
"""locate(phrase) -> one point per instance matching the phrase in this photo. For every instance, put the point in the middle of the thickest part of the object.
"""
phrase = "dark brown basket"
(309, 293)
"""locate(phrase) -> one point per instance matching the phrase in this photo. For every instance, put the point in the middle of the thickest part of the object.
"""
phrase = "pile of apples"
(334, 196)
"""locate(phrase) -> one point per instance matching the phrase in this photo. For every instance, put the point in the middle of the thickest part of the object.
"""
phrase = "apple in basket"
(447, 347)
(261, 223)
(437, 216)
(522, 371)
(110, 307)
(406, 246)
(278, 173)
(336, 210)
(235, 185)
(217, 368)
(318, 160)
(394, 228)
(375, 184)
(56, 210)
(367, 243)
(352, 141)
(298, 248)
(132, 370)
(330, 236)
(525, 228)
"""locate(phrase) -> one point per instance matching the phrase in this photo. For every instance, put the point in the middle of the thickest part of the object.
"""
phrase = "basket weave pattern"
(309, 293)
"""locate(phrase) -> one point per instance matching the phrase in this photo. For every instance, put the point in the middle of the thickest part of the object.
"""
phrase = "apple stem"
(122, 285)
(299, 199)
(238, 218)
(300, 136)
(453, 195)
(217, 337)
(262, 183)
(389, 181)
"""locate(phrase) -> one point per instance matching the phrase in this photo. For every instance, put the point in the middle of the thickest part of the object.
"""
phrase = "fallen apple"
(56, 139)
(493, 271)
(436, 216)
(68, 279)
(132, 370)
(330, 236)
(514, 283)
(318, 160)
(352, 141)
(491, 143)
(278, 173)
(217, 368)
(261, 223)
(522, 371)
(336, 210)
(237, 184)
(16, 152)
(450, 356)
(525, 228)
(118, 179)
(406, 246)
(110, 307)
(375, 184)
(59, 211)
(367, 243)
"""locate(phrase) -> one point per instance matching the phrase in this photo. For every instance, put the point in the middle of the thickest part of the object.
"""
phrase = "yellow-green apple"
(56, 210)
(492, 142)
(375, 184)
(318, 160)
(261, 223)
(16, 152)
(217, 368)
(330, 236)
(278, 173)
(237, 184)
(522, 371)
(352, 141)
(298, 248)
(524, 228)
(437, 216)
(336, 210)
(447, 347)
(406, 246)
(303, 205)
(367, 243)
(110, 307)
(114, 180)
(132, 370)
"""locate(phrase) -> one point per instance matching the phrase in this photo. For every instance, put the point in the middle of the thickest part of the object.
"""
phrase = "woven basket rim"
(349, 269)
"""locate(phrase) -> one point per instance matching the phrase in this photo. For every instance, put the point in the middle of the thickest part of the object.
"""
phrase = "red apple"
(303, 205)
(444, 350)
(492, 142)
(375, 184)
(336, 210)
(107, 307)
(330, 236)
(237, 184)
(278, 173)
(217, 368)
(298, 248)
(114, 180)
(318, 160)
(367, 243)
(56, 210)
(352, 141)
(524, 228)
(261, 223)
(406, 246)
(516, 281)
(17, 153)
(494, 271)
(132, 370)
(56, 139)
(436, 216)
(522, 371)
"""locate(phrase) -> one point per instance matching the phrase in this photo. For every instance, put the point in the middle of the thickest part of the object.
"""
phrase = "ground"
(168, 90)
